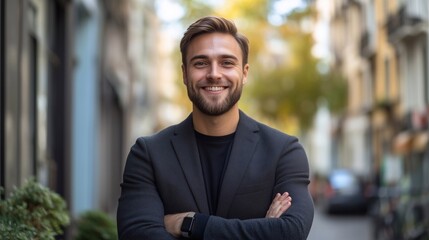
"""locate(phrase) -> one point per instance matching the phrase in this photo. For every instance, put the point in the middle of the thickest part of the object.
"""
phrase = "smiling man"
(219, 174)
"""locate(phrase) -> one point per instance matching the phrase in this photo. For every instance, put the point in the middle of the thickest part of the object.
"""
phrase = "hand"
(173, 222)
(279, 205)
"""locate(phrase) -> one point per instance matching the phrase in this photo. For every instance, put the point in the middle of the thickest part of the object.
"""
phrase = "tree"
(286, 83)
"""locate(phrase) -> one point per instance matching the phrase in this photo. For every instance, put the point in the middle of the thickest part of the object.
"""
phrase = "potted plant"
(32, 212)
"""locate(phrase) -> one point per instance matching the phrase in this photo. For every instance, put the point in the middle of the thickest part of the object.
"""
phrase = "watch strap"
(187, 225)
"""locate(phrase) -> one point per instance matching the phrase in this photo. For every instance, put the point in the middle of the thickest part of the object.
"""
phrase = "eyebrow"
(206, 57)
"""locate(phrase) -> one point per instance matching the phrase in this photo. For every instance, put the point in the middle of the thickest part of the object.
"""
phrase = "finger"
(286, 198)
(284, 195)
(279, 205)
(276, 205)
(277, 197)
(278, 209)
(272, 210)
(285, 204)
(282, 209)
(277, 200)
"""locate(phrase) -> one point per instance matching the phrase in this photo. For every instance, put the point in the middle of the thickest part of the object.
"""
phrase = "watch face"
(187, 224)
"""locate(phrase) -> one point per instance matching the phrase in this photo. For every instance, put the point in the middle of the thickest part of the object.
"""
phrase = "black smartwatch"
(187, 225)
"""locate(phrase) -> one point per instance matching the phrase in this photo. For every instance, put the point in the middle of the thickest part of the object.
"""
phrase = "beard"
(214, 106)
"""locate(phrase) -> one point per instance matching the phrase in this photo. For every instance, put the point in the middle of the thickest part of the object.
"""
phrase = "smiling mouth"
(214, 88)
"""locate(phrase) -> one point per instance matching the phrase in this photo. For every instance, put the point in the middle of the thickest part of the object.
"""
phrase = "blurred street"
(339, 227)
(81, 80)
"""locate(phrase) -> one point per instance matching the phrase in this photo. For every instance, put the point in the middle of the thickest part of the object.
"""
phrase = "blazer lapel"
(245, 141)
(185, 146)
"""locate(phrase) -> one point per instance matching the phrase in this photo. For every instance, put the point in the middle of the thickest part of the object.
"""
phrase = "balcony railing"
(367, 44)
(410, 14)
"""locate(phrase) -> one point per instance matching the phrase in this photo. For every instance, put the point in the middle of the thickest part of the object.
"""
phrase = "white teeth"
(214, 88)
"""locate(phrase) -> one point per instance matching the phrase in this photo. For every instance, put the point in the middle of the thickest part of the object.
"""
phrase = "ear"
(245, 73)
(185, 78)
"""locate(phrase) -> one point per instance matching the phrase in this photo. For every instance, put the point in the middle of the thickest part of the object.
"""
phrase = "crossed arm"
(279, 205)
(142, 207)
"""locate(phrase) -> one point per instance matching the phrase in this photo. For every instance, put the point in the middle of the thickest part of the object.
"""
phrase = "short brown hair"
(213, 24)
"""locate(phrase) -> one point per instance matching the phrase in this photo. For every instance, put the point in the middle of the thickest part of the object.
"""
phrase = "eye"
(199, 64)
(228, 63)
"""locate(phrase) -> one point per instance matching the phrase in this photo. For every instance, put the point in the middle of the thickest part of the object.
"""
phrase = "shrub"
(32, 212)
(96, 225)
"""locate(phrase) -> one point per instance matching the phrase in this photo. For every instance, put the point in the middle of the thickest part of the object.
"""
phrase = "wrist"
(187, 225)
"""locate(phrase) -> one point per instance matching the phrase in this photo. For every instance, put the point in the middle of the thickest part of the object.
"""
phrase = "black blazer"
(163, 175)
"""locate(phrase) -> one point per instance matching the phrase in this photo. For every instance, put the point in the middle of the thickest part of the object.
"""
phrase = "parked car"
(345, 193)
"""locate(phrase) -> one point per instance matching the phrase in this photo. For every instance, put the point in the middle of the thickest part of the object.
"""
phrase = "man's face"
(214, 73)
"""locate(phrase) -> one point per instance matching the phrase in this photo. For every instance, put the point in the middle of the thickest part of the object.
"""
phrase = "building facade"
(352, 129)
(35, 93)
(76, 89)
(381, 46)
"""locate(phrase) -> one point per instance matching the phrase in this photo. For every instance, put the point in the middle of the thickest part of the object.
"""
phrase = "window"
(2, 56)
(425, 72)
(32, 83)
(387, 78)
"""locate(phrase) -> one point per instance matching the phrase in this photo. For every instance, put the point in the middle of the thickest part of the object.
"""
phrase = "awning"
(406, 142)
(402, 143)
(420, 141)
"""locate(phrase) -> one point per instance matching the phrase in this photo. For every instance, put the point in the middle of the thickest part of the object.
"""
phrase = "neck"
(216, 125)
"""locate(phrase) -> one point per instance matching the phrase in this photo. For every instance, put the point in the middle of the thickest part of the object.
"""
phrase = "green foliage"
(32, 212)
(96, 225)
(292, 85)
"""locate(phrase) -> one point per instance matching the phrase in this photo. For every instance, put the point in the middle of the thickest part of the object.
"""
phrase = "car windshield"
(344, 180)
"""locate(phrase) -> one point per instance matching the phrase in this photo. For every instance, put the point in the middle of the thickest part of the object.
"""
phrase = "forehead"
(214, 45)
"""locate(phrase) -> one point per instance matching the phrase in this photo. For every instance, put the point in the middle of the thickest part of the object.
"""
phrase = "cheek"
(195, 76)
(236, 76)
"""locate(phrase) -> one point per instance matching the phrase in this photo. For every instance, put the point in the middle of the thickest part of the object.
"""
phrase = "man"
(219, 174)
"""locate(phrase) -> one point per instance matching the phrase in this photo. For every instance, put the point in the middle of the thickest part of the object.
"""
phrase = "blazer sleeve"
(140, 213)
(292, 175)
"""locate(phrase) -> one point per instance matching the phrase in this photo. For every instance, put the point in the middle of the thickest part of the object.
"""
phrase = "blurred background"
(80, 80)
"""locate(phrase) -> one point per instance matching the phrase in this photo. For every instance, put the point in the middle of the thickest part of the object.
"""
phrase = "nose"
(214, 72)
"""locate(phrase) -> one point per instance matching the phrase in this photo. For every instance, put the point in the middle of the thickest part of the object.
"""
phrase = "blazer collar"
(245, 141)
(185, 146)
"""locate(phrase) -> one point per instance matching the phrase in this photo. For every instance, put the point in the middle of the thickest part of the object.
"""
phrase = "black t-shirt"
(214, 154)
